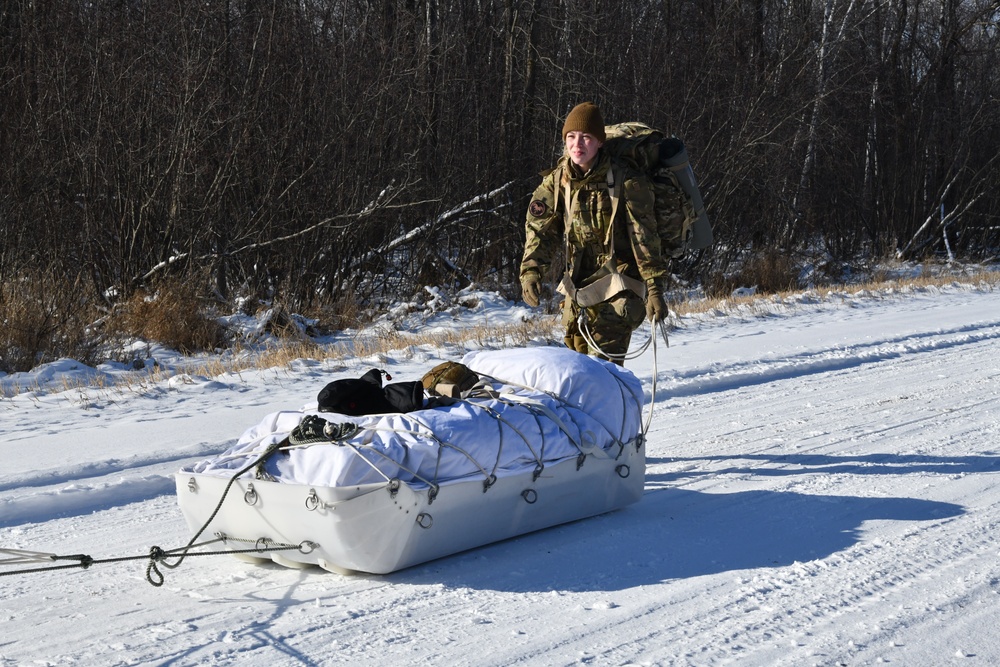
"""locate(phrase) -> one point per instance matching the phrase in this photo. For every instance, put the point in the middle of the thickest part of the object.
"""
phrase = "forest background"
(335, 156)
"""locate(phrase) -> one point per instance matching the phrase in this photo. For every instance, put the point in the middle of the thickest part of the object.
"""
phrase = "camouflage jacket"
(636, 243)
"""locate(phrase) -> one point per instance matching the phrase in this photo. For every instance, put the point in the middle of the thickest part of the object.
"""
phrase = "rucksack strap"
(614, 190)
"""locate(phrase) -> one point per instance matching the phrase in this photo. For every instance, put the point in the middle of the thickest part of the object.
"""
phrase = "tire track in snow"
(777, 430)
(763, 620)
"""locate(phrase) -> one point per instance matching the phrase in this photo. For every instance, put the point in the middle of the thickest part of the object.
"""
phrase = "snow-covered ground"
(822, 489)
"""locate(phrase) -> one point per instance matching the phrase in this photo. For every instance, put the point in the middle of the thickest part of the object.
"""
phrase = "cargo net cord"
(156, 555)
(372, 455)
(623, 394)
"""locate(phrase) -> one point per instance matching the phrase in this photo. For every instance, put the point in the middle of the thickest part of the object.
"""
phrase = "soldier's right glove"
(656, 307)
(531, 289)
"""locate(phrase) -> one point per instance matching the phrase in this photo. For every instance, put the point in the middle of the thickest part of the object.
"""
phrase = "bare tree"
(247, 141)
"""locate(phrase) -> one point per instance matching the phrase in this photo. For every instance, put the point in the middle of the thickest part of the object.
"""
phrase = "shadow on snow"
(674, 534)
(800, 464)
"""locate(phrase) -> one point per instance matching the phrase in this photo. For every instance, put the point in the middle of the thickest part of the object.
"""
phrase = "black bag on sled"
(367, 396)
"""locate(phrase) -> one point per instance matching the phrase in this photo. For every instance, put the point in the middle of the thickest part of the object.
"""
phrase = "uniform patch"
(538, 208)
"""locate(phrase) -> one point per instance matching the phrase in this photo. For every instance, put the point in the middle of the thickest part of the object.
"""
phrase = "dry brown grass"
(172, 314)
(770, 272)
(43, 318)
(168, 316)
(382, 341)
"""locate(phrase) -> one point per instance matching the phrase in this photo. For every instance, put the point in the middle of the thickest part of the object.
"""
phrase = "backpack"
(665, 160)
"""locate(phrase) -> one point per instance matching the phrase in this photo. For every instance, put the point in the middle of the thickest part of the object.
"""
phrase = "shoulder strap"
(615, 178)
(569, 210)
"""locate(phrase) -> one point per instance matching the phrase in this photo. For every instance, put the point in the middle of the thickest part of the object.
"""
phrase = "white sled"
(377, 505)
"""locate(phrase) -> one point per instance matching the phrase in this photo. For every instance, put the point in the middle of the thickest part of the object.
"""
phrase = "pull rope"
(584, 326)
(652, 389)
(158, 556)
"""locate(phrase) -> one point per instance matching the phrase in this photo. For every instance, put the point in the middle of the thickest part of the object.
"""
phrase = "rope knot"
(153, 574)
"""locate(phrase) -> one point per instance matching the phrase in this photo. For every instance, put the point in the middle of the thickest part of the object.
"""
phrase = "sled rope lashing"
(501, 422)
(367, 452)
(490, 477)
(567, 404)
(540, 456)
(366, 446)
(360, 450)
(583, 447)
(539, 409)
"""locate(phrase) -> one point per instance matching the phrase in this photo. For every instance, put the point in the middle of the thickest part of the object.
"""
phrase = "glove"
(531, 289)
(656, 307)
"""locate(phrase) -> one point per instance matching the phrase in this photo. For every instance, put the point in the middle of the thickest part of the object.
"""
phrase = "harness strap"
(602, 289)
(611, 281)
(614, 190)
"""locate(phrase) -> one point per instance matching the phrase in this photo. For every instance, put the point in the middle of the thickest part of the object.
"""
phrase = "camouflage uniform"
(636, 247)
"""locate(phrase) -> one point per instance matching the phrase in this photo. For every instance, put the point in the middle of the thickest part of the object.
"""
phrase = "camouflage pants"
(610, 324)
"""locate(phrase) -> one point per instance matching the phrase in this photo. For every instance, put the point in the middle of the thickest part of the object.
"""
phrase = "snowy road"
(822, 489)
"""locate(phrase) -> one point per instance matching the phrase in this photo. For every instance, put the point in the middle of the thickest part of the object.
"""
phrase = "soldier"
(611, 269)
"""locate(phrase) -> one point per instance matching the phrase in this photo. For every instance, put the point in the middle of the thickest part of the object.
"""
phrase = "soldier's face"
(582, 149)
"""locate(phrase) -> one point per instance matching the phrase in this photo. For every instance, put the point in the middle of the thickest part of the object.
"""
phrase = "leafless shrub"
(768, 272)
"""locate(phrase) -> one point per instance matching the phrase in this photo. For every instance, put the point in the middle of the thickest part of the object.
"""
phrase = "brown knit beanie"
(585, 117)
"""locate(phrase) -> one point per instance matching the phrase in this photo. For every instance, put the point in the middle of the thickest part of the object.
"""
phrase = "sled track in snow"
(723, 377)
(96, 469)
(91, 487)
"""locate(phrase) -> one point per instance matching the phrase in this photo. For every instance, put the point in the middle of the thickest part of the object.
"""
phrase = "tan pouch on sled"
(450, 379)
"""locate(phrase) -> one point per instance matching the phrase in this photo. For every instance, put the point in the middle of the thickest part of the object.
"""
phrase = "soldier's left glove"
(656, 307)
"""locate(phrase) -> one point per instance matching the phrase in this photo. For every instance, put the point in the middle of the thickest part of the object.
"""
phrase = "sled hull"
(378, 528)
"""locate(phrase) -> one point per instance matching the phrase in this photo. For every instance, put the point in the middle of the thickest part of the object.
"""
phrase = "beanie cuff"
(585, 117)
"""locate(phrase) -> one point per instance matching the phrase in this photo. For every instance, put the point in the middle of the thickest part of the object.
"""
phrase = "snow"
(821, 490)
